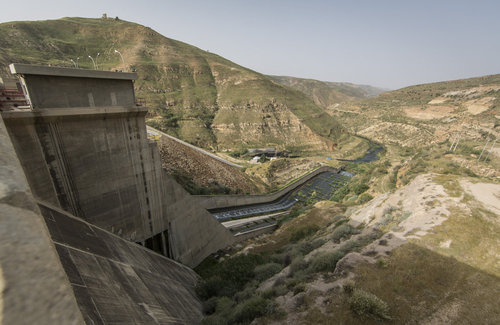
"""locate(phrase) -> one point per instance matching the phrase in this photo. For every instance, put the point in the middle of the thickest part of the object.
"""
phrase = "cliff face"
(192, 94)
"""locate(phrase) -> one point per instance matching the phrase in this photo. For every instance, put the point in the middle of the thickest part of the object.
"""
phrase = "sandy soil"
(477, 106)
(486, 193)
(418, 207)
(429, 112)
(438, 100)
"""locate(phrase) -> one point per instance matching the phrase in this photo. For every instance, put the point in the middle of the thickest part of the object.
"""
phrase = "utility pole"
(479, 159)
(95, 66)
(456, 145)
(493, 146)
(123, 61)
(453, 142)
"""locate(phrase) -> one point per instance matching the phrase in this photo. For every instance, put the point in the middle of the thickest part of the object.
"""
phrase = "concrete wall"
(56, 87)
(92, 164)
(97, 164)
(78, 92)
(194, 232)
(34, 288)
(223, 201)
(119, 282)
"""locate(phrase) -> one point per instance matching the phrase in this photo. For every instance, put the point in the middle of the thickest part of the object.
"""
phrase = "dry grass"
(472, 231)
(420, 286)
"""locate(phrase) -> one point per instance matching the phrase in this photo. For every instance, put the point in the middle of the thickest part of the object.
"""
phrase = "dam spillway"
(320, 187)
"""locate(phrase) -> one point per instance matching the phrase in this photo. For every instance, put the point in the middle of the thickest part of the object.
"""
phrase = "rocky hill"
(195, 95)
(326, 93)
(429, 113)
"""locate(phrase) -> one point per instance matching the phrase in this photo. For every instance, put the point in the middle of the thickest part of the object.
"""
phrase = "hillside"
(412, 239)
(326, 93)
(195, 95)
(201, 174)
(428, 113)
(423, 254)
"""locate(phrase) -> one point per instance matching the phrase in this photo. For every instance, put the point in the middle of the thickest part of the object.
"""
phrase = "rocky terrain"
(426, 253)
(428, 114)
(201, 174)
(412, 239)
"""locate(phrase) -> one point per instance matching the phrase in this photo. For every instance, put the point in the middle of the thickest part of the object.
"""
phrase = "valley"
(398, 225)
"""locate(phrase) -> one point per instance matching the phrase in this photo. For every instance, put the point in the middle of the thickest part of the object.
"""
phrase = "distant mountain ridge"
(327, 93)
(195, 95)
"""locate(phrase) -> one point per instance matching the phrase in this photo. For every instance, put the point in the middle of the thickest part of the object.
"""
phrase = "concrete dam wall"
(95, 162)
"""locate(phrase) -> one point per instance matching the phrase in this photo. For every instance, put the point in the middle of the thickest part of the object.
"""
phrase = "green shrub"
(209, 287)
(361, 241)
(350, 245)
(214, 320)
(339, 195)
(263, 159)
(382, 262)
(250, 309)
(363, 304)
(228, 277)
(298, 264)
(365, 197)
(341, 232)
(265, 271)
(276, 291)
(209, 306)
(247, 292)
(326, 261)
(349, 287)
(359, 188)
(301, 287)
(303, 232)
(308, 246)
(224, 307)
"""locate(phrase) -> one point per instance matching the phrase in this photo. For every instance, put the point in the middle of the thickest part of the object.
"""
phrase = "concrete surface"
(34, 288)
(116, 281)
(55, 87)
(30, 69)
(97, 164)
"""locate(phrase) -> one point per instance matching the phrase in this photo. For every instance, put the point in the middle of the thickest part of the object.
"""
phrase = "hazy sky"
(382, 43)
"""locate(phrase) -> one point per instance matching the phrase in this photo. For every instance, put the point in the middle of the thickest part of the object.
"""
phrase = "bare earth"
(486, 193)
(429, 112)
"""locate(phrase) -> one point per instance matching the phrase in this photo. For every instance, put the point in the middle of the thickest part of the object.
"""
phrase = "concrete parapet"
(55, 87)
(30, 69)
